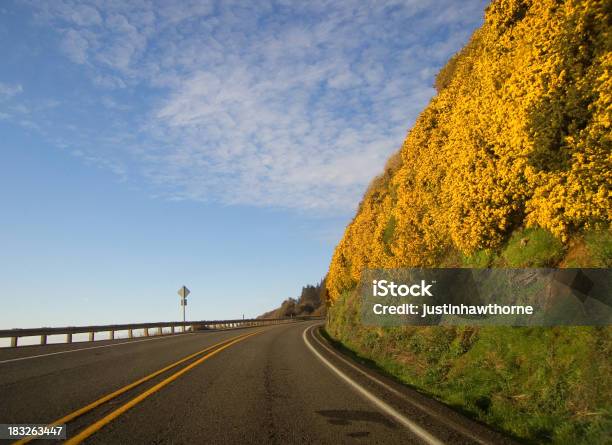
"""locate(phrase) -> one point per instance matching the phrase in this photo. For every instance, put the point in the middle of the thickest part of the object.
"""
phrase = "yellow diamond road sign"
(183, 292)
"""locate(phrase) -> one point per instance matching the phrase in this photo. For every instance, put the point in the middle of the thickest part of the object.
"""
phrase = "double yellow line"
(84, 434)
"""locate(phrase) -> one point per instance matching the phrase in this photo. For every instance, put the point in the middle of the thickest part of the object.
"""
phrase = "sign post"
(183, 292)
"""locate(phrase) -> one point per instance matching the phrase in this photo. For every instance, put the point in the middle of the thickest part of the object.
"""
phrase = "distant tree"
(311, 301)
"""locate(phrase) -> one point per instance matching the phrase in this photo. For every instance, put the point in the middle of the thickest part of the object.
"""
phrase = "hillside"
(508, 166)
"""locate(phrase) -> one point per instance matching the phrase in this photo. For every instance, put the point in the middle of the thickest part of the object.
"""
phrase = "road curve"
(280, 384)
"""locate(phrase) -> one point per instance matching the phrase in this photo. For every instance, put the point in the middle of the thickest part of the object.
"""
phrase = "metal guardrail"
(69, 331)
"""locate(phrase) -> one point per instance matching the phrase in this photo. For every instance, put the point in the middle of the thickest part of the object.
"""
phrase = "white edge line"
(87, 349)
(392, 390)
(386, 408)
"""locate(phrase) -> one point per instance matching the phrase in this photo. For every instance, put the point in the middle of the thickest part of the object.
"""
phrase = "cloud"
(84, 15)
(75, 45)
(108, 81)
(279, 104)
(8, 90)
(112, 104)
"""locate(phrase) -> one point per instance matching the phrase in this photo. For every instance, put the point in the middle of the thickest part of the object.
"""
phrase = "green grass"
(533, 247)
(537, 384)
(506, 378)
(599, 245)
(479, 260)
(541, 385)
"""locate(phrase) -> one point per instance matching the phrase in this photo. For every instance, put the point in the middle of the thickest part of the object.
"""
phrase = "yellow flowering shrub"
(518, 135)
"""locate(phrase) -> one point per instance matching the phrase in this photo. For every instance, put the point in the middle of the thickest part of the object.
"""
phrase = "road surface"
(280, 384)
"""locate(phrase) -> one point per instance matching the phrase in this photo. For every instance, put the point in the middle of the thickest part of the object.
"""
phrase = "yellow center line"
(69, 417)
(94, 427)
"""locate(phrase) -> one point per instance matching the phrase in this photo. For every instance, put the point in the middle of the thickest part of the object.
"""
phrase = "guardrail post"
(68, 338)
(91, 336)
(130, 333)
(14, 342)
(172, 329)
(159, 331)
(43, 339)
(111, 335)
(146, 332)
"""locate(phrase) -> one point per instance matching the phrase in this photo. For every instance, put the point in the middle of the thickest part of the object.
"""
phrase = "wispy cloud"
(8, 90)
(282, 104)
(75, 45)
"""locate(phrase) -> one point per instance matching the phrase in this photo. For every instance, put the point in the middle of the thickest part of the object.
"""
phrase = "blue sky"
(221, 145)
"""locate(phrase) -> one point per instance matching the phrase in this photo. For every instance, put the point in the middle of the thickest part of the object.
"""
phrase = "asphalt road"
(270, 387)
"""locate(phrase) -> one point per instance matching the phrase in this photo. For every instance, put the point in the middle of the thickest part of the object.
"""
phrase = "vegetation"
(311, 302)
(508, 166)
(542, 385)
(532, 248)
